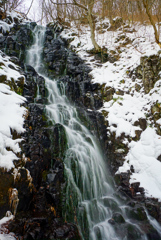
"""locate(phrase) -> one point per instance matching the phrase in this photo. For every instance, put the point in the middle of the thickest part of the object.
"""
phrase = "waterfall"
(90, 195)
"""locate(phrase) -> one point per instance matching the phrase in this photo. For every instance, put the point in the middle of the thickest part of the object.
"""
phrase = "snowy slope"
(11, 112)
(125, 109)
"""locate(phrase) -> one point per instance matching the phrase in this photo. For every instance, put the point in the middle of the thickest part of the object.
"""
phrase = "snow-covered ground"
(125, 110)
(4, 235)
(11, 114)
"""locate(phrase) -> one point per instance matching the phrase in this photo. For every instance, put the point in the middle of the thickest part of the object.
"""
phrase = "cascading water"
(90, 196)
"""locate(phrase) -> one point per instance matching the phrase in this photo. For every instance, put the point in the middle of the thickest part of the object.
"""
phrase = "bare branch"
(29, 8)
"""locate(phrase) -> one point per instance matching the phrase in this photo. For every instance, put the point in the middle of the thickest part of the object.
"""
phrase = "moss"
(137, 214)
(117, 179)
(3, 78)
(118, 218)
(44, 117)
(84, 118)
(132, 232)
(105, 113)
(19, 91)
(123, 81)
(109, 202)
(44, 175)
(59, 141)
(117, 99)
(71, 212)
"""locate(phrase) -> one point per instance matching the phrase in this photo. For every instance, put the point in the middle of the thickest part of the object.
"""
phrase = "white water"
(89, 184)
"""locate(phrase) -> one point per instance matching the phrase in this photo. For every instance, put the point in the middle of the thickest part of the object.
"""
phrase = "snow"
(12, 115)
(124, 113)
(143, 155)
(9, 69)
(7, 26)
(3, 235)
(11, 111)
(125, 110)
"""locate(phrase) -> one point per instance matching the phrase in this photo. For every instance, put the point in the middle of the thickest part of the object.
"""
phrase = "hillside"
(131, 77)
(117, 96)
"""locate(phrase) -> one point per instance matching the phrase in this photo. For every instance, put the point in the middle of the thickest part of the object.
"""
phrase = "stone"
(118, 218)
(138, 213)
(150, 68)
(153, 209)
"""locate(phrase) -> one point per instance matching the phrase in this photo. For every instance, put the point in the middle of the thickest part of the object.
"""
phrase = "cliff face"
(37, 201)
(33, 189)
(26, 189)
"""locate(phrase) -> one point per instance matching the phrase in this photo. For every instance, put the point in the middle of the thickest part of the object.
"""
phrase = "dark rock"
(132, 232)
(137, 87)
(7, 182)
(111, 221)
(137, 214)
(118, 218)
(153, 210)
(59, 141)
(149, 71)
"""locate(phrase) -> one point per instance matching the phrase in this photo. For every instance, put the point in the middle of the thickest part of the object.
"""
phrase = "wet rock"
(153, 210)
(137, 214)
(23, 183)
(132, 232)
(153, 235)
(111, 203)
(118, 218)
(19, 38)
(59, 141)
(111, 221)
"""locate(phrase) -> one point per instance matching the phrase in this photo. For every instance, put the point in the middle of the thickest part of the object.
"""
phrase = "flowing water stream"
(90, 195)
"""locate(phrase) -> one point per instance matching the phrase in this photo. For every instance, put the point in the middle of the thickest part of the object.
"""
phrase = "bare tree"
(88, 9)
(29, 7)
(10, 5)
(148, 7)
(59, 9)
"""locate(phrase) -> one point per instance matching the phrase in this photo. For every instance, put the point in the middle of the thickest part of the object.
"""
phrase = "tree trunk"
(92, 26)
(156, 34)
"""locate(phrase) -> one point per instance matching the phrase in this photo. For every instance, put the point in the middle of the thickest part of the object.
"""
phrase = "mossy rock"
(118, 218)
(3, 78)
(100, 54)
(58, 141)
(137, 214)
(153, 209)
(111, 203)
(117, 178)
(133, 233)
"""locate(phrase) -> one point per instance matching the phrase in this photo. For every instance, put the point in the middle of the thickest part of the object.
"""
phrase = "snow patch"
(11, 112)
(143, 155)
